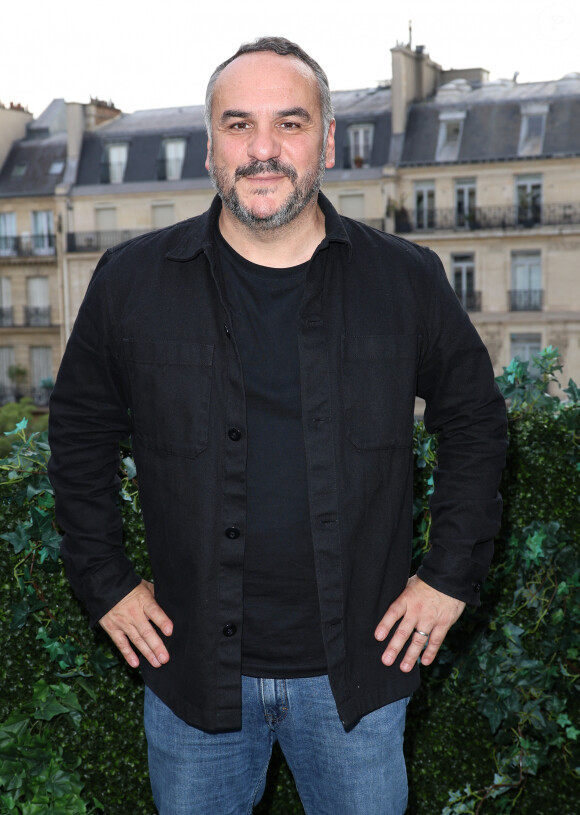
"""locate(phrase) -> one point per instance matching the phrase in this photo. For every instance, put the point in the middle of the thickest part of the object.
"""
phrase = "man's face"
(267, 154)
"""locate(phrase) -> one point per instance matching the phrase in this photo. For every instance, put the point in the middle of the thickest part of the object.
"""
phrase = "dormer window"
(532, 129)
(171, 159)
(359, 146)
(449, 139)
(114, 162)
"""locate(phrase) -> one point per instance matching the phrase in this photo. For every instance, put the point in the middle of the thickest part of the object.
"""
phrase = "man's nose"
(264, 143)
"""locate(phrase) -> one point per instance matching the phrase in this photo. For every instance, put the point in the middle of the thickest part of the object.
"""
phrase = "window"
(43, 232)
(526, 292)
(353, 206)
(464, 281)
(465, 203)
(40, 366)
(5, 301)
(529, 199)
(171, 159)
(532, 129)
(6, 365)
(424, 204)
(114, 162)
(360, 146)
(525, 346)
(106, 219)
(8, 240)
(162, 215)
(37, 308)
(105, 233)
(449, 139)
(56, 168)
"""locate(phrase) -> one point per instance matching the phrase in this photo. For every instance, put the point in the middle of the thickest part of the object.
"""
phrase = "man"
(265, 358)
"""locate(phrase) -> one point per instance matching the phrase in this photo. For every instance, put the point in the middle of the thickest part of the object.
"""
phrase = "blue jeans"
(359, 772)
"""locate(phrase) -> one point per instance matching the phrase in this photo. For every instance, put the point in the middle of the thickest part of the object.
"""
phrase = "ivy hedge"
(493, 729)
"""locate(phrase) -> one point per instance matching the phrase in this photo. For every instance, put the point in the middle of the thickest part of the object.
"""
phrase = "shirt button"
(234, 434)
(232, 533)
(476, 586)
(229, 630)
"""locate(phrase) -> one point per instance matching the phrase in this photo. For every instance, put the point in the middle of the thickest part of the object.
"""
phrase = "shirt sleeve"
(467, 412)
(88, 419)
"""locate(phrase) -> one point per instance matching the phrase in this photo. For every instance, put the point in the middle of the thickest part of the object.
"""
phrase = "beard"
(303, 192)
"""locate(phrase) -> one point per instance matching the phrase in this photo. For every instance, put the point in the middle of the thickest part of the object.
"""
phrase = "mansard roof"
(492, 118)
(34, 167)
(145, 130)
(491, 115)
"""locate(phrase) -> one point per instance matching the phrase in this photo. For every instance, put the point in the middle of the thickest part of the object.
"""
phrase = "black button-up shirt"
(153, 354)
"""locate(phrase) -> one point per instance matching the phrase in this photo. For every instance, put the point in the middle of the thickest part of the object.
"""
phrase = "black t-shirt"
(282, 635)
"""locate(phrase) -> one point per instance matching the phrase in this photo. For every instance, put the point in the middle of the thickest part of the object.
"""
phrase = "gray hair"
(284, 48)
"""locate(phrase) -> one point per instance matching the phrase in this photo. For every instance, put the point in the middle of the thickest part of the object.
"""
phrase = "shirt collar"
(199, 235)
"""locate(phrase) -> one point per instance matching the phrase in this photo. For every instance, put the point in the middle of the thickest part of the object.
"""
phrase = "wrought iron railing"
(98, 241)
(526, 299)
(470, 300)
(37, 315)
(13, 393)
(26, 245)
(6, 316)
(506, 217)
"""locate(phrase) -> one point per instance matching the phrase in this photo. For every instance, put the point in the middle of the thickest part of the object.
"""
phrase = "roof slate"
(38, 155)
(492, 123)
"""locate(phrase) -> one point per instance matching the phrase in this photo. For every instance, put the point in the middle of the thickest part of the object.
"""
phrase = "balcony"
(526, 299)
(40, 395)
(36, 316)
(99, 241)
(26, 246)
(510, 217)
(470, 300)
(6, 316)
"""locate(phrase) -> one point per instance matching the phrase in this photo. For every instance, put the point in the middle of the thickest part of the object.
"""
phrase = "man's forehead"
(265, 71)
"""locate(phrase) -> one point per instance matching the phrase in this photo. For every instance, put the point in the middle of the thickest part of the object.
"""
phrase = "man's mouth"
(266, 171)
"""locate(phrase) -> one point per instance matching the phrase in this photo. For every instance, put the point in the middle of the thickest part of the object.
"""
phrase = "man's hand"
(128, 622)
(424, 613)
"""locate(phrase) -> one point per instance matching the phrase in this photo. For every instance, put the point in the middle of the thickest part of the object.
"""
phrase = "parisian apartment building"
(486, 173)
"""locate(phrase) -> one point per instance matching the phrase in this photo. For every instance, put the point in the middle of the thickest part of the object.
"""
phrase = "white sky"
(145, 54)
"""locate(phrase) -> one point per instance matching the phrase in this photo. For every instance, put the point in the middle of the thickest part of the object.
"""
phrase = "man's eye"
(290, 125)
(239, 126)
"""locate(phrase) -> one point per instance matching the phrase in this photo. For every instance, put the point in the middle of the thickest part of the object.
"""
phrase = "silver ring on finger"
(422, 633)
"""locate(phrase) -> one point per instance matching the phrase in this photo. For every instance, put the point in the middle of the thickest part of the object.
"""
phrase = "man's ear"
(207, 156)
(330, 146)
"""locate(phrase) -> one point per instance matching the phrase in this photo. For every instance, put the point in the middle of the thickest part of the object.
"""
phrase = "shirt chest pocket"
(170, 394)
(379, 385)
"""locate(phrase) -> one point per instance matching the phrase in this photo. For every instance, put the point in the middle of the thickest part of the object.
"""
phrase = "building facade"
(485, 173)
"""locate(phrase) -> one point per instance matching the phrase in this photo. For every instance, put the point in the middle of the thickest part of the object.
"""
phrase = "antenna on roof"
(410, 33)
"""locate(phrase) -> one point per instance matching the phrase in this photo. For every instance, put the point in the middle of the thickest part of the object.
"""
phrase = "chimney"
(415, 77)
(13, 123)
(98, 111)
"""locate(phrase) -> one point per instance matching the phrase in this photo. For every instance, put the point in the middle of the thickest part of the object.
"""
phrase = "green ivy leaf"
(20, 614)
(129, 466)
(573, 391)
(20, 427)
(19, 539)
